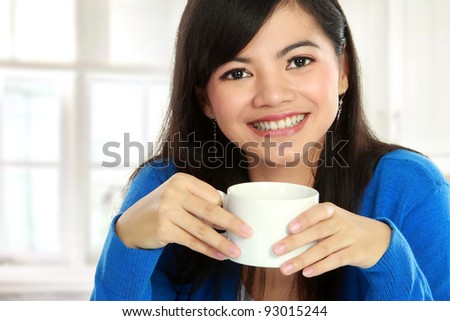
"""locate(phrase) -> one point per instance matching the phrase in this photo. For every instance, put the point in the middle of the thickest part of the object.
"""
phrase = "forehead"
(289, 22)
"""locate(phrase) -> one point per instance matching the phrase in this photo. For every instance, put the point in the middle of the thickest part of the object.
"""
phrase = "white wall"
(404, 47)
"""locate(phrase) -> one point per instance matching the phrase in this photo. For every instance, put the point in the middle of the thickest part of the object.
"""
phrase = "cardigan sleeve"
(397, 276)
(124, 273)
(416, 265)
(429, 235)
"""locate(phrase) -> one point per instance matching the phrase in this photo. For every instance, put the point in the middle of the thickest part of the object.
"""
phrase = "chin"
(289, 160)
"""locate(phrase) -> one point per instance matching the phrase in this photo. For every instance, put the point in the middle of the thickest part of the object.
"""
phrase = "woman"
(270, 91)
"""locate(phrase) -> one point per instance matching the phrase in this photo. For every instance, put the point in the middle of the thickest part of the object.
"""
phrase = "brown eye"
(236, 74)
(299, 62)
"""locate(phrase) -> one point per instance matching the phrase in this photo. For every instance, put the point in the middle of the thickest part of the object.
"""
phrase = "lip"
(279, 132)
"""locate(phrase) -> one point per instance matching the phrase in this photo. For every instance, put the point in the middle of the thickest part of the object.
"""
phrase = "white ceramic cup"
(268, 207)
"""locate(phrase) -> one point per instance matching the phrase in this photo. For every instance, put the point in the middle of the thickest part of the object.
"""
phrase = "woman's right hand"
(182, 210)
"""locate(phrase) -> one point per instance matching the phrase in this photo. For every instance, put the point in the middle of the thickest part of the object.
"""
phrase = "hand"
(182, 210)
(343, 238)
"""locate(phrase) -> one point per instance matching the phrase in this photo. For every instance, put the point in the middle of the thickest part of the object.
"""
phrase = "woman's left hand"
(343, 238)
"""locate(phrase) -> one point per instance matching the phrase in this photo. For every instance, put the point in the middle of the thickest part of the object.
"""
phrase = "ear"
(343, 72)
(204, 102)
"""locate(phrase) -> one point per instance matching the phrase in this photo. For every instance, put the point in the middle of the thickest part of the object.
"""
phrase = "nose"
(272, 90)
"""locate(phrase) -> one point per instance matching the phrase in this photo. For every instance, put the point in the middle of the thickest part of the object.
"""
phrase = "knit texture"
(407, 192)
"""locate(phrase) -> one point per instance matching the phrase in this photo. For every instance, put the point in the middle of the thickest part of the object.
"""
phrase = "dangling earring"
(214, 130)
(214, 136)
(341, 101)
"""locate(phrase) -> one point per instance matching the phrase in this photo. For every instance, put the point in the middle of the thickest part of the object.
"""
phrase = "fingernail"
(295, 227)
(234, 251)
(308, 272)
(246, 230)
(220, 256)
(280, 249)
(288, 268)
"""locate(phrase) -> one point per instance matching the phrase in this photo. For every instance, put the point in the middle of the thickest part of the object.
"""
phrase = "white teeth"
(288, 122)
(283, 123)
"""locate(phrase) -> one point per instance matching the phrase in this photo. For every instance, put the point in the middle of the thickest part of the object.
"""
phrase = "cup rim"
(232, 190)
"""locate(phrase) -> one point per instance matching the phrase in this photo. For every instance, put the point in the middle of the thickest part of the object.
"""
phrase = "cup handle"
(223, 196)
(224, 199)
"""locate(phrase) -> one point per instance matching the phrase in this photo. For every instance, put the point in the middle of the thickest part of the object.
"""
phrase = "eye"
(236, 74)
(299, 62)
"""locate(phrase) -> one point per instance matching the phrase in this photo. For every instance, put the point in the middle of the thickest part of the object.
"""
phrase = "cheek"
(227, 104)
(322, 90)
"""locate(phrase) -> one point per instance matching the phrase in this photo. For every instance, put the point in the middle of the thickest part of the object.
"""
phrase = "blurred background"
(78, 74)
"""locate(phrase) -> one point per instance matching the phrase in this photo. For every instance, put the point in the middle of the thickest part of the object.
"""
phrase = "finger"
(331, 262)
(312, 216)
(206, 234)
(188, 240)
(320, 251)
(194, 186)
(320, 231)
(216, 216)
(203, 190)
(218, 228)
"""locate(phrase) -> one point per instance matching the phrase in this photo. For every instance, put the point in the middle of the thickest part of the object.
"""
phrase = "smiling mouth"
(287, 122)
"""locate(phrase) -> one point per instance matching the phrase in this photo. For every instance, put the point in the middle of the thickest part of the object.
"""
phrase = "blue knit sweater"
(406, 191)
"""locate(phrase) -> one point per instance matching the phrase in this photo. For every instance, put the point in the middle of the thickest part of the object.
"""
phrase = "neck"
(299, 174)
(298, 171)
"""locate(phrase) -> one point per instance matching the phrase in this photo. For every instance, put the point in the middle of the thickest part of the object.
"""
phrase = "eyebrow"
(303, 43)
(283, 52)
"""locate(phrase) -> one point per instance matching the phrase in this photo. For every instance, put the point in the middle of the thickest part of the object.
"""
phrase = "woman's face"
(279, 95)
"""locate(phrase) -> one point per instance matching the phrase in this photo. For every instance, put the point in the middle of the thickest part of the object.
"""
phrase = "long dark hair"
(212, 32)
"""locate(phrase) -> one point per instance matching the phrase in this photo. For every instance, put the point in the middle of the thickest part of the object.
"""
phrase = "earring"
(214, 130)
(341, 101)
(214, 136)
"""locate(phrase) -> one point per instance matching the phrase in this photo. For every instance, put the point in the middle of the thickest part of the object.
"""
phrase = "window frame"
(73, 273)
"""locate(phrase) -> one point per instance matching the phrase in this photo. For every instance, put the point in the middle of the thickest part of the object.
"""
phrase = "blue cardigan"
(406, 191)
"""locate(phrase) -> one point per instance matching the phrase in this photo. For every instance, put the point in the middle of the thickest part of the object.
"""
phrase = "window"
(31, 148)
(75, 75)
(128, 113)
(403, 46)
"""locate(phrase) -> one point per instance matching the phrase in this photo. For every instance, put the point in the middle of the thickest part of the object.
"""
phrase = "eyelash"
(229, 74)
(305, 61)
